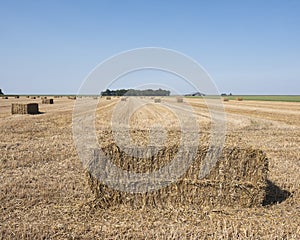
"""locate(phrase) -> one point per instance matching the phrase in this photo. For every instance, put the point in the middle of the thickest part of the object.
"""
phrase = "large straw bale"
(29, 108)
(238, 179)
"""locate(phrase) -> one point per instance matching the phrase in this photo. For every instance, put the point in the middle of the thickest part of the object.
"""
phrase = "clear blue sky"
(248, 47)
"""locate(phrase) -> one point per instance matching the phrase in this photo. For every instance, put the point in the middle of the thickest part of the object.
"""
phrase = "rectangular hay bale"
(20, 108)
(180, 100)
(239, 178)
(47, 101)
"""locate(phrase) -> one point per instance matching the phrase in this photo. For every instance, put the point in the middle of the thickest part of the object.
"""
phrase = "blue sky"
(248, 47)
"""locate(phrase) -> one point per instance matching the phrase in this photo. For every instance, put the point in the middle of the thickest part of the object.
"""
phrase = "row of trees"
(136, 92)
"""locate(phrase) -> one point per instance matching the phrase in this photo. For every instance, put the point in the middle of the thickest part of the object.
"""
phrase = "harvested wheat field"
(251, 193)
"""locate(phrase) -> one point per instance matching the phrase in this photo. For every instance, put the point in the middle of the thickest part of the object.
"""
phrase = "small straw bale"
(29, 108)
(226, 99)
(47, 101)
(157, 100)
(72, 97)
(123, 99)
(180, 100)
(108, 98)
(239, 99)
(239, 178)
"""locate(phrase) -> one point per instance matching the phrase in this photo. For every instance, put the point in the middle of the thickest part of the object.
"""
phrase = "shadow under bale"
(274, 194)
(239, 178)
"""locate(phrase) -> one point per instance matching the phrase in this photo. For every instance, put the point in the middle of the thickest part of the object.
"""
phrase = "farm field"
(280, 98)
(45, 194)
(272, 98)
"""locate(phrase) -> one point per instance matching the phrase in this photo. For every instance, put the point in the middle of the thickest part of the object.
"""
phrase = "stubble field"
(44, 192)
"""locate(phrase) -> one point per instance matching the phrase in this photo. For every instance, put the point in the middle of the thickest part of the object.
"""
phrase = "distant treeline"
(135, 92)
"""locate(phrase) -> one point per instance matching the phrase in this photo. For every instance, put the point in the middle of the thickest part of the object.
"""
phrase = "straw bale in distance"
(72, 97)
(180, 100)
(29, 108)
(238, 179)
(108, 98)
(239, 99)
(226, 99)
(47, 101)
(123, 99)
(157, 100)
